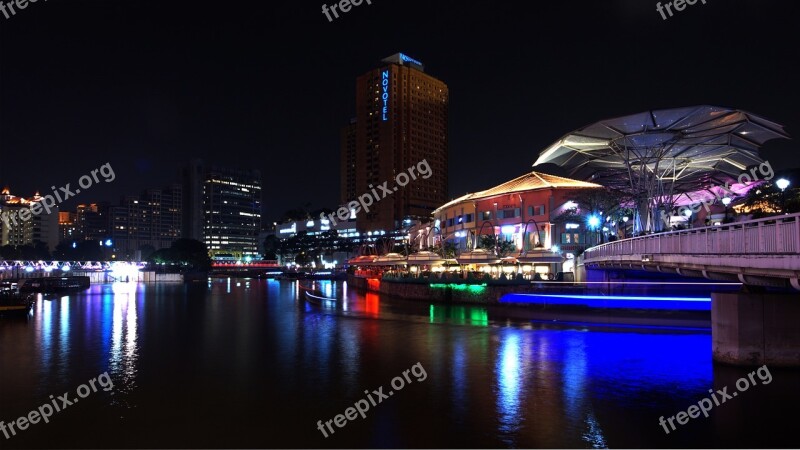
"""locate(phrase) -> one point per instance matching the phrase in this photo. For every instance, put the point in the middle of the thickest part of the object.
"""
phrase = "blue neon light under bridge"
(613, 301)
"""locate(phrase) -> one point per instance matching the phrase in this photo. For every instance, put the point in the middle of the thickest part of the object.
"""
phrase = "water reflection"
(122, 360)
(44, 314)
(494, 380)
(509, 379)
(63, 333)
(460, 315)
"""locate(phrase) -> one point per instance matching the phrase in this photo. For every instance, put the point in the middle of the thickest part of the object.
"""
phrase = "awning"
(478, 256)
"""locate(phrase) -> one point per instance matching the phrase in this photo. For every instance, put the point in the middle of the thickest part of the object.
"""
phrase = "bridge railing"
(774, 235)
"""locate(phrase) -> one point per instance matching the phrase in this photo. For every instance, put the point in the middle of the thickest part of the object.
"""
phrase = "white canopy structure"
(658, 156)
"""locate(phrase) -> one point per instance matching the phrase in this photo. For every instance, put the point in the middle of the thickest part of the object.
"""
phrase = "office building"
(143, 224)
(93, 222)
(222, 208)
(67, 226)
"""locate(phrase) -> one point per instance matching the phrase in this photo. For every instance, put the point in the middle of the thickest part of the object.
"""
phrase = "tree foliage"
(184, 255)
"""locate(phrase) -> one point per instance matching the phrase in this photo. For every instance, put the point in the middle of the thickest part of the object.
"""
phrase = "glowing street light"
(726, 201)
(688, 213)
(594, 222)
(782, 184)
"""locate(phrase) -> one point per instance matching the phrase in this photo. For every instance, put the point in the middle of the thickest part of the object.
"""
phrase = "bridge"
(97, 271)
(63, 266)
(756, 326)
(763, 252)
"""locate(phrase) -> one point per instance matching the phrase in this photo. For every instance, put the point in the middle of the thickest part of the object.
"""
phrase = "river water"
(249, 363)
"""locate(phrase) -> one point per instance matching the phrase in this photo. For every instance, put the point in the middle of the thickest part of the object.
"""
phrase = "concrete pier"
(751, 329)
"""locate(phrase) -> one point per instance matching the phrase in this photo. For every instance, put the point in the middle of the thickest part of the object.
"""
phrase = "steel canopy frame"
(660, 155)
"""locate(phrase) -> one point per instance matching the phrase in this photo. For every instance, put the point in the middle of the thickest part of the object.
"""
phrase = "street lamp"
(726, 201)
(782, 184)
(688, 213)
(594, 223)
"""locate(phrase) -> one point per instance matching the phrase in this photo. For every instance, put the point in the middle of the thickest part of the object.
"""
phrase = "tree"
(502, 248)
(146, 250)
(601, 203)
(271, 247)
(768, 200)
(185, 255)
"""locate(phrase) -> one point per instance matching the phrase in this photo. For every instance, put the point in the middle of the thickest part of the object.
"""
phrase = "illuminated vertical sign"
(385, 96)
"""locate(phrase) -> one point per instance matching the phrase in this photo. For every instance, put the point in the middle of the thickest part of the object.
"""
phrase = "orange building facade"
(521, 211)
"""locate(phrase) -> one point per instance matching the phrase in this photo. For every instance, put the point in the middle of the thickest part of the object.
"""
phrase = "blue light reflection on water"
(593, 368)
(492, 382)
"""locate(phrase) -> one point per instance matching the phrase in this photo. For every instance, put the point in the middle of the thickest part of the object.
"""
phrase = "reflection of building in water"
(459, 315)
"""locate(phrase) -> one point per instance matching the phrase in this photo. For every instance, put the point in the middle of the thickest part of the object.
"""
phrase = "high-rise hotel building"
(401, 119)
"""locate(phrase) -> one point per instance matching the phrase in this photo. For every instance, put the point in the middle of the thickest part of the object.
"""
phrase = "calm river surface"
(248, 363)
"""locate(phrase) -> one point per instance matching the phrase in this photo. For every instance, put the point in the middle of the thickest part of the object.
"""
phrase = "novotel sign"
(406, 58)
(385, 96)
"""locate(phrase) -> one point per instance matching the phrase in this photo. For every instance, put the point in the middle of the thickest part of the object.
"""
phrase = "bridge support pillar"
(752, 329)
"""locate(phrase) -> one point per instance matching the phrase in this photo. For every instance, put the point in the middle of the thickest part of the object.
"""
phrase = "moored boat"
(13, 302)
(54, 284)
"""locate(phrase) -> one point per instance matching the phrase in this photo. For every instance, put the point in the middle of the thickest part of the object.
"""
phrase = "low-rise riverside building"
(521, 211)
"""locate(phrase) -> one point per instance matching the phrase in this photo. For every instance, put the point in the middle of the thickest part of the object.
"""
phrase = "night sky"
(148, 85)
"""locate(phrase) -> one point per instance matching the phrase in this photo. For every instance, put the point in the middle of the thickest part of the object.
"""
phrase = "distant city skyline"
(517, 84)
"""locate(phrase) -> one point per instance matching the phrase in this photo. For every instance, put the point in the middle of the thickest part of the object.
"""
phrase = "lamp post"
(782, 184)
(726, 201)
(688, 214)
(594, 223)
(625, 226)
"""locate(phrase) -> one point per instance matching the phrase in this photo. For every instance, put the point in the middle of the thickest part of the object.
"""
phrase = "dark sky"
(148, 85)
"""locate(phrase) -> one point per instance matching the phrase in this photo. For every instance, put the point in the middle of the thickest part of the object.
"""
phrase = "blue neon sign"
(385, 96)
(406, 58)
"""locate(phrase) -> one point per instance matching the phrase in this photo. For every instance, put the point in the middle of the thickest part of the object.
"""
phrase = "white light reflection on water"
(45, 337)
(509, 379)
(124, 349)
(63, 334)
